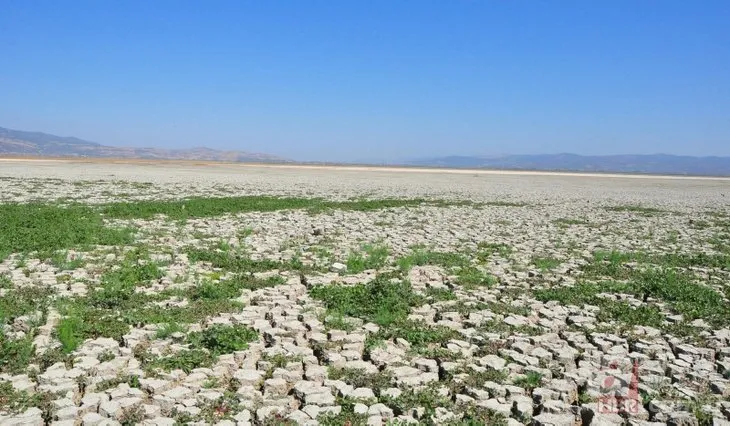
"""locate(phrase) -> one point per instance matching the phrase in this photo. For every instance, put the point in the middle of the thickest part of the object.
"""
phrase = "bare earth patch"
(143, 293)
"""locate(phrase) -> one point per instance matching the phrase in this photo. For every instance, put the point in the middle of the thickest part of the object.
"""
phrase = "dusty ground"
(464, 297)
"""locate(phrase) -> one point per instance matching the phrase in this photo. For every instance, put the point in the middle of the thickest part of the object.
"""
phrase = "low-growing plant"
(374, 257)
(440, 294)
(419, 257)
(69, 333)
(641, 210)
(106, 356)
(479, 416)
(223, 339)
(23, 301)
(471, 277)
(61, 260)
(169, 329)
(417, 333)
(546, 263)
(429, 398)
(39, 227)
(15, 354)
(131, 380)
(500, 203)
(529, 381)
(186, 361)
(5, 281)
(15, 401)
(133, 415)
(380, 300)
(360, 379)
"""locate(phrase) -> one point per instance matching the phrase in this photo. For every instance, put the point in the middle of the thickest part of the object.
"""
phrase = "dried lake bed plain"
(185, 293)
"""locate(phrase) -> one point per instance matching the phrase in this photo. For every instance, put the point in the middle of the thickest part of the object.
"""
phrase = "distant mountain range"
(649, 164)
(18, 142)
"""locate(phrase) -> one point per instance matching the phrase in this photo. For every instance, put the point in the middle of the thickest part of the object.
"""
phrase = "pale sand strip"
(351, 168)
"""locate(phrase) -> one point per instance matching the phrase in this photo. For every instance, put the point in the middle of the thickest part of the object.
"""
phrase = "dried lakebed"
(225, 295)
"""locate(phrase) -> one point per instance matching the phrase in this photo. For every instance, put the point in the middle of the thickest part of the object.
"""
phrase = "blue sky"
(375, 79)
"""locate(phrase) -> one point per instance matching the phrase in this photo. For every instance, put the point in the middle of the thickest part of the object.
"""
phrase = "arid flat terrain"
(138, 292)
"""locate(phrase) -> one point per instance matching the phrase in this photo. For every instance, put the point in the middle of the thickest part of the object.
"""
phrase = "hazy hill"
(17, 142)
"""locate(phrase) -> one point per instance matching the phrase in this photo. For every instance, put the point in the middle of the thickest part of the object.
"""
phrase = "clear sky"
(372, 79)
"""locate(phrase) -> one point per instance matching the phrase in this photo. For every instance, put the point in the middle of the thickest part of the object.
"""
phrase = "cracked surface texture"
(196, 294)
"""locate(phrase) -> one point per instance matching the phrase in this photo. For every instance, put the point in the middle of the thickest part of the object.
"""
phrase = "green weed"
(485, 249)
(529, 381)
(420, 257)
(360, 379)
(60, 260)
(380, 300)
(375, 258)
(546, 263)
(6, 281)
(15, 354)
(184, 360)
(36, 227)
(169, 329)
(470, 277)
(19, 401)
(641, 210)
(223, 339)
(23, 301)
(570, 221)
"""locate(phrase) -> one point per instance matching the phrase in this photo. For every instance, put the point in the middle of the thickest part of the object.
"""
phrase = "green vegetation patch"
(546, 263)
(360, 379)
(19, 401)
(641, 210)
(45, 228)
(417, 333)
(429, 398)
(571, 221)
(371, 257)
(15, 354)
(197, 207)
(23, 301)
(505, 204)
(419, 257)
(679, 290)
(223, 339)
(48, 227)
(115, 305)
(381, 300)
(485, 250)
(186, 360)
